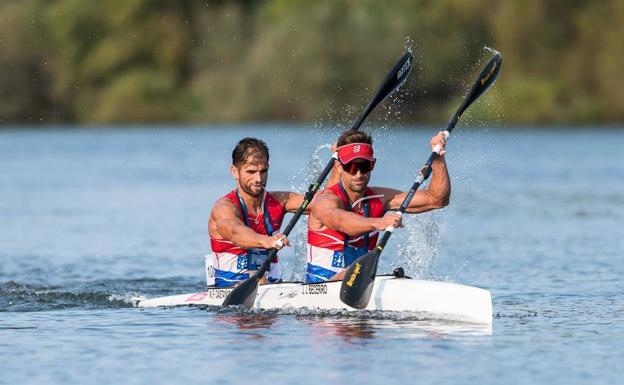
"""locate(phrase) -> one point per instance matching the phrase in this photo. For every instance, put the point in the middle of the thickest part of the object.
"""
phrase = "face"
(251, 177)
(356, 174)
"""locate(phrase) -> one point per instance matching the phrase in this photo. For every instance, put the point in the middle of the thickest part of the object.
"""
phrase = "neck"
(352, 195)
(254, 204)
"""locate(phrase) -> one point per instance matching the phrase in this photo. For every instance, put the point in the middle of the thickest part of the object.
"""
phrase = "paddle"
(245, 293)
(357, 284)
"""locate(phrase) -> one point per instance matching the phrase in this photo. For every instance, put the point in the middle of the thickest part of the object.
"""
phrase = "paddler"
(347, 216)
(245, 222)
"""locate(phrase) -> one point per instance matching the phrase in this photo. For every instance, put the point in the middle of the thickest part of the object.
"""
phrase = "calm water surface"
(92, 218)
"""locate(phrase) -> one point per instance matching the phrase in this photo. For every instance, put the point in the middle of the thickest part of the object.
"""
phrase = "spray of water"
(299, 182)
(417, 250)
(490, 50)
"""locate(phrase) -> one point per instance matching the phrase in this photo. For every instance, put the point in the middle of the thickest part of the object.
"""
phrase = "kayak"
(432, 300)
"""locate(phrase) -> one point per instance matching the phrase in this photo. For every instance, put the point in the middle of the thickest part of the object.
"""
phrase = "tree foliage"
(139, 61)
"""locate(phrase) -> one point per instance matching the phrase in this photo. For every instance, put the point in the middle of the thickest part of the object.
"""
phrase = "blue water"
(91, 218)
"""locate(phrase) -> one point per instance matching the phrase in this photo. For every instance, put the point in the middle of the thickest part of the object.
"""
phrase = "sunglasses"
(364, 166)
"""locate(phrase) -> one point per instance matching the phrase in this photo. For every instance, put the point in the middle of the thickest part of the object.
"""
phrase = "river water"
(92, 218)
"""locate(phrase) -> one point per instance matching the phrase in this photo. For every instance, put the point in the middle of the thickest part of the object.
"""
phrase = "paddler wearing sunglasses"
(347, 216)
(245, 222)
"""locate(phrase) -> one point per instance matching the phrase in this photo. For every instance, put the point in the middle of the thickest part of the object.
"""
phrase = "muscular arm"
(289, 200)
(436, 196)
(329, 212)
(226, 220)
(292, 201)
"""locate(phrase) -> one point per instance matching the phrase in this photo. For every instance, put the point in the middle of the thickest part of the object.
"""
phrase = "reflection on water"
(346, 329)
(353, 329)
(252, 323)
(350, 329)
(248, 321)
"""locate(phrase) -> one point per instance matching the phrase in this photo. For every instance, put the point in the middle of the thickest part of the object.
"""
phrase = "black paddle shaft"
(358, 281)
(245, 293)
(309, 195)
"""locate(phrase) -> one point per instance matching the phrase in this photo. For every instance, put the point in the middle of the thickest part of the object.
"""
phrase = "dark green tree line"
(140, 61)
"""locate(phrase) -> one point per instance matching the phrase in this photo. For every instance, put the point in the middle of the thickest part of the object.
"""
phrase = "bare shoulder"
(224, 209)
(327, 199)
(324, 208)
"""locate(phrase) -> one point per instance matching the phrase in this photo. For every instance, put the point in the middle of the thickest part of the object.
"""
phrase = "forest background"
(203, 62)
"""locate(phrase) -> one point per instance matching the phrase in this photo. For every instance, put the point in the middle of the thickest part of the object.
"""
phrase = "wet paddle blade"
(243, 294)
(393, 80)
(357, 284)
(486, 78)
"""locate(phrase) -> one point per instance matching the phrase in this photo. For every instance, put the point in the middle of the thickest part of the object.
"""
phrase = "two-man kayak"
(426, 299)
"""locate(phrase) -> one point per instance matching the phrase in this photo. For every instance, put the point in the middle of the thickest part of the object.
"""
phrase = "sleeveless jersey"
(232, 263)
(329, 251)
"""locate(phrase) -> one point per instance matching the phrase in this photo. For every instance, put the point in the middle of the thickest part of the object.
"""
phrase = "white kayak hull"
(428, 299)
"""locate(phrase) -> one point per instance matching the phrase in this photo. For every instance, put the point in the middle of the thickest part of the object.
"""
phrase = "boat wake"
(517, 315)
(99, 294)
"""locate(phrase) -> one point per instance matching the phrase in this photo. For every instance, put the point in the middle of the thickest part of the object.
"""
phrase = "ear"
(341, 170)
(338, 167)
(234, 172)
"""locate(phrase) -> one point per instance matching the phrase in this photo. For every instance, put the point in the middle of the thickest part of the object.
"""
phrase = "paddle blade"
(486, 78)
(393, 80)
(243, 294)
(357, 284)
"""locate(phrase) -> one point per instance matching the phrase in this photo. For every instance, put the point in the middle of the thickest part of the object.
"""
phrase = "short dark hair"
(247, 147)
(354, 136)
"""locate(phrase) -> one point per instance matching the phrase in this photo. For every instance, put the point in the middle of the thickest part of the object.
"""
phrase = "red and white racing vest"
(232, 263)
(329, 250)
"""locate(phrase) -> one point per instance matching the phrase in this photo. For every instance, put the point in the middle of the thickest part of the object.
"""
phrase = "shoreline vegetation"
(412, 127)
(221, 63)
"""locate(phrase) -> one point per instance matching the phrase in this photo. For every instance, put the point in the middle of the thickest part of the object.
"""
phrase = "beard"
(358, 187)
(254, 193)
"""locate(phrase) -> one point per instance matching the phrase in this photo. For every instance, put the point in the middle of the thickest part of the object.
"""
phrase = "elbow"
(441, 202)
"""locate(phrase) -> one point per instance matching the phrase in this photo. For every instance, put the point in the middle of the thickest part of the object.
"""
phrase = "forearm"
(440, 186)
(246, 238)
(291, 201)
(436, 196)
(354, 225)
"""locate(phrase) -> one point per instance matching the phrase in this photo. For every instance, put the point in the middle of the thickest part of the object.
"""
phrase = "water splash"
(417, 251)
(299, 182)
